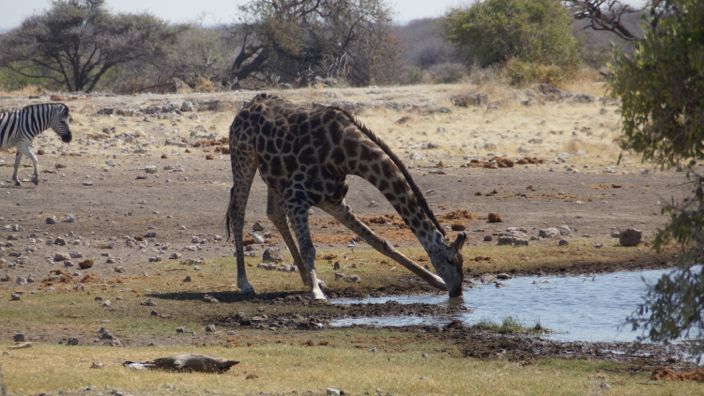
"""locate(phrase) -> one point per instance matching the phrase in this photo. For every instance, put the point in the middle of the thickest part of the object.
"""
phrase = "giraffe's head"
(447, 260)
(59, 122)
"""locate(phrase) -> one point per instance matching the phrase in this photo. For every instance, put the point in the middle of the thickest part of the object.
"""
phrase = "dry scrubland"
(139, 199)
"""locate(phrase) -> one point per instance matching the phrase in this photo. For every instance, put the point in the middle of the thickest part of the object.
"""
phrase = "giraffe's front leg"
(298, 214)
(27, 150)
(18, 159)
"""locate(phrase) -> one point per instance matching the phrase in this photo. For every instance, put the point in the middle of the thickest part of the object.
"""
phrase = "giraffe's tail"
(230, 215)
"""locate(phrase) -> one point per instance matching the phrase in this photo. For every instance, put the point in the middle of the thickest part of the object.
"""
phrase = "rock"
(257, 227)
(72, 341)
(210, 328)
(60, 241)
(503, 276)
(175, 256)
(488, 238)
(487, 278)
(563, 242)
(286, 268)
(19, 337)
(104, 334)
(272, 255)
(549, 233)
(630, 237)
(583, 98)
(514, 237)
(210, 299)
(96, 365)
(60, 257)
(149, 303)
(150, 169)
(187, 279)
(565, 230)
(494, 218)
(267, 266)
(180, 330)
(458, 227)
(85, 264)
(187, 106)
(106, 111)
(69, 218)
(150, 234)
(332, 392)
(51, 220)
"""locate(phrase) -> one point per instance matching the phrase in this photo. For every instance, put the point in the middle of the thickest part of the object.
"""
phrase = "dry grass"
(278, 368)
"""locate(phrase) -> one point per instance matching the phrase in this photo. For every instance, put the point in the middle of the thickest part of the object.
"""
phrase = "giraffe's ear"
(459, 242)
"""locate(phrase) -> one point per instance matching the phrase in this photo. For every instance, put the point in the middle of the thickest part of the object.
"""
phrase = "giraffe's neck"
(418, 222)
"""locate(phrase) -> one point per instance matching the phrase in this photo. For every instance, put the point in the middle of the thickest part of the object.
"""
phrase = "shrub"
(533, 31)
(446, 73)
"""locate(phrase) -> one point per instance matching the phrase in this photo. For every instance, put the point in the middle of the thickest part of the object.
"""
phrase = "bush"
(533, 31)
(522, 73)
(446, 73)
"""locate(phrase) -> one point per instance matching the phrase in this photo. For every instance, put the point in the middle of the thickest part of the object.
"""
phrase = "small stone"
(488, 238)
(210, 299)
(149, 303)
(630, 237)
(548, 233)
(19, 337)
(51, 220)
(72, 341)
(458, 227)
(85, 264)
(180, 329)
(150, 234)
(257, 227)
(175, 256)
(119, 270)
(150, 169)
(60, 241)
(60, 257)
(96, 365)
(563, 242)
(154, 259)
(15, 297)
(503, 276)
(494, 218)
(210, 328)
(69, 218)
(187, 279)
(332, 392)
(272, 255)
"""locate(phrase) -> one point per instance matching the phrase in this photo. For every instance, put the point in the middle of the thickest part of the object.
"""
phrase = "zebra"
(18, 128)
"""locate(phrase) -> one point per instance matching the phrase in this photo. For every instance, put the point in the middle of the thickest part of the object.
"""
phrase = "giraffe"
(304, 157)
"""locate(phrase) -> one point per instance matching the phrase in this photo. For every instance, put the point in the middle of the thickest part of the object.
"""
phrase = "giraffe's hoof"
(35, 181)
(18, 183)
(247, 291)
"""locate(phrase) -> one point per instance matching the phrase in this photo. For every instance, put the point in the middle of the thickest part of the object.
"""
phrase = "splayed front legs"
(343, 213)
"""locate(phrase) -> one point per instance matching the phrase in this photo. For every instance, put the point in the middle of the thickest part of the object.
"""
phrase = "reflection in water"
(576, 308)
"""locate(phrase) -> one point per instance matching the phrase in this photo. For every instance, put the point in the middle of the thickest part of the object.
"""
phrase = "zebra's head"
(59, 122)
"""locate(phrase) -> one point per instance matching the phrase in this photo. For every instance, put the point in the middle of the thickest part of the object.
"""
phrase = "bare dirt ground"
(145, 180)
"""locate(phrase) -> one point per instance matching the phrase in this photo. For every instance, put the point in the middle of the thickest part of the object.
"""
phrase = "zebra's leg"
(27, 150)
(18, 159)
(276, 212)
(298, 214)
(244, 167)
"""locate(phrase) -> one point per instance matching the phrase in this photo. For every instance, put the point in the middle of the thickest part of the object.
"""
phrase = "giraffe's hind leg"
(298, 214)
(243, 170)
(276, 212)
(343, 213)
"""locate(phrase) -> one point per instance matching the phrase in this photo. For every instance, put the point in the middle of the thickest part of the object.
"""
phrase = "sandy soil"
(126, 176)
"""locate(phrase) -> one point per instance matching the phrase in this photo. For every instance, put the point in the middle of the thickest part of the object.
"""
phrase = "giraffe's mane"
(387, 150)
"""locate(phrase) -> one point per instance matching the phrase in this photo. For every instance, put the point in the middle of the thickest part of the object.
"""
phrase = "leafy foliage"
(661, 87)
(300, 39)
(533, 31)
(76, 42)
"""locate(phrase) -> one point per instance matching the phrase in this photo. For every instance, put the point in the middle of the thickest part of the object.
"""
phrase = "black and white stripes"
(18, 129)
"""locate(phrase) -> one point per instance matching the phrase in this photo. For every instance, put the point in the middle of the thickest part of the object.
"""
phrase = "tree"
(76, 42)
(495, 31)
(661, 86)
(287, 39)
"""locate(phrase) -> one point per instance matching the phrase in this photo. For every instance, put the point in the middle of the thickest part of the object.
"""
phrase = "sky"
(211, 12)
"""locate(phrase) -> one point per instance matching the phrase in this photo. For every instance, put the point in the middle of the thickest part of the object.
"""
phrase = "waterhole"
(575, 308)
